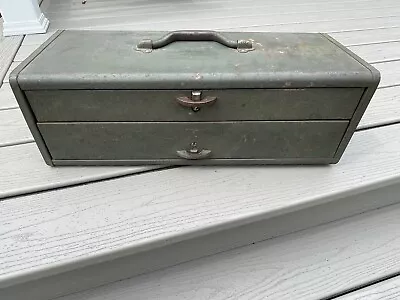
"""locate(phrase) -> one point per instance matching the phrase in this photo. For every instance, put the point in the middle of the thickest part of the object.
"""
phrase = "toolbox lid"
(118, 60)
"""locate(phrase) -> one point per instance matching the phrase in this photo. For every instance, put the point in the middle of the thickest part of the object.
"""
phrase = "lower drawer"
(193, 140)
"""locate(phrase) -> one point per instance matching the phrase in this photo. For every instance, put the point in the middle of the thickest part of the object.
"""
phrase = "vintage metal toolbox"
(192, 97)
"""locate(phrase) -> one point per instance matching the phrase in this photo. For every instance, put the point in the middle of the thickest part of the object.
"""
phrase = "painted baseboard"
(29, 27)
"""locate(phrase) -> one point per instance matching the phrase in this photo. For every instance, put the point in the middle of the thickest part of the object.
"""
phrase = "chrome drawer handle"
(193, 152)
(195, 102)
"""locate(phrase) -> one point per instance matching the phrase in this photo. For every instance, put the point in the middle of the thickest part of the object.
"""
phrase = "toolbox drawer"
(179, 105)
(193, 140)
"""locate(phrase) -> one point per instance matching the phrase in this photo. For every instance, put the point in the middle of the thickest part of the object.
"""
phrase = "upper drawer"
(207, 105)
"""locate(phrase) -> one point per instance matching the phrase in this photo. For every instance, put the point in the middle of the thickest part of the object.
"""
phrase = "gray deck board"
(384, 108)
(8, 48)
(24, 51)
(24, 171)
(390, 72)
(385, 290)
(369, 36)
(7, 98)
(13, 65)
(99, 9)
(36, 39)
(13, 129)
(205, 21)
(350, 24)
(312, 264)
(378, 53)
(215, 14)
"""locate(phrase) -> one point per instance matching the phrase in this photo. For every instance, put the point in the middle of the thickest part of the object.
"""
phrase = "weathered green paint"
(161, 105)
(294, 98)
(109, 60)
(236, 140)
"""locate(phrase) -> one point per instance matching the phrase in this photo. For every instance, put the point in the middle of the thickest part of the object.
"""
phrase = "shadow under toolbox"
(192, 97)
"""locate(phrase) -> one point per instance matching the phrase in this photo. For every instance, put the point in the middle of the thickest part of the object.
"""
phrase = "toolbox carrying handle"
(148, 45)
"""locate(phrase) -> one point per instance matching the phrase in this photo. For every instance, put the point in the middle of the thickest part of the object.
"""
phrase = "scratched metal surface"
(106, 60)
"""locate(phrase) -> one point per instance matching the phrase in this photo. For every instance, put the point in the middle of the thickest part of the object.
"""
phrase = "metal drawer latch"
(193, 152)
(196, 102)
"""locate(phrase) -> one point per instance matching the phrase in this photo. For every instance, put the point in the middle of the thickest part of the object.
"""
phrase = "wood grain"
(13, 129)
(7, 98)
(100, 8)
(37, 39)
(13, 65)
(369, 36)
(282, 16)
(24, 171)
(312, 264)
(377, 53)
(8, 48)
(217, 20)
(385, 290)
(390, 73)
(129, 15)
(24, 51)
(350, 24)
(384, 108)
(91, 222)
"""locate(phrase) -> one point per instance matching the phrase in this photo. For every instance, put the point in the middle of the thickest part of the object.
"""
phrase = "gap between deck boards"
(89, 181)
(363, 286)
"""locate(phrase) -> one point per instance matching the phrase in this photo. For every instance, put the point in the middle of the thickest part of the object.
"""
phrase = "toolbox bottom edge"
(208, 162)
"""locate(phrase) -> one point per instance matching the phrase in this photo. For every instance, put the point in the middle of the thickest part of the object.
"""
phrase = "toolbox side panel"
(24, 104)
(371, 86)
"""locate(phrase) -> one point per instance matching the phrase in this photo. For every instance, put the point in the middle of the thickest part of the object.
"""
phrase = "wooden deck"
(292, 232)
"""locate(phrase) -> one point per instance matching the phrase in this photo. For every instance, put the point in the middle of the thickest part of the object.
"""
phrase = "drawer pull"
(196, 101)
(193, 152)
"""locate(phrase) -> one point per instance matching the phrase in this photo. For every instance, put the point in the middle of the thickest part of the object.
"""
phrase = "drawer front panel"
(162, 105)
(223, 140)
